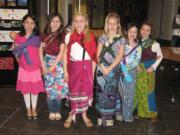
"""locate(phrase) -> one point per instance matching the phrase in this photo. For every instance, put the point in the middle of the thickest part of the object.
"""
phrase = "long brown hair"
(60, 31)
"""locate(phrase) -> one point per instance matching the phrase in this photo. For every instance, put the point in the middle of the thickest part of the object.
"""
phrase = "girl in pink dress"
(26, 51)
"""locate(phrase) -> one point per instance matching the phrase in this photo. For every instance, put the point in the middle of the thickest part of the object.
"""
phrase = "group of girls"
(123, 65)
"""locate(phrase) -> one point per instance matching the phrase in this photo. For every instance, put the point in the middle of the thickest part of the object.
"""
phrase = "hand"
(106, 71)
(44, 70)
(12, 35)
(139, 69)
(66, 77)
(93, 76)
(150, 70)
(52, 68)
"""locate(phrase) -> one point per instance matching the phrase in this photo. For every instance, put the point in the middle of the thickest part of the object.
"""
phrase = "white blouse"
(156, 48)
(76, 53)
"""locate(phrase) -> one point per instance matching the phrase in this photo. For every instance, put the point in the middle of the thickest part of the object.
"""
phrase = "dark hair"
(131, 25)
(60, 31)
(179, 10)
(35, 31)
(150, 25)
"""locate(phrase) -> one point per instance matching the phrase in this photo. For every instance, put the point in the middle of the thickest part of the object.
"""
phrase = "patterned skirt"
(80, 86)
(145, 100)
(107, 95)
(54, 81)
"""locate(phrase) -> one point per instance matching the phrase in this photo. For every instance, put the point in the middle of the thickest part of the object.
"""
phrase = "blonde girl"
(81, 62)
(109, 54)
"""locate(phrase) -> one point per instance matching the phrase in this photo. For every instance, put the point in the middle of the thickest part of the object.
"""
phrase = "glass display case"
(11, 14)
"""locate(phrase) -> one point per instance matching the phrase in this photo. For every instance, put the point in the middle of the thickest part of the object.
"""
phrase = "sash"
(107, 48)
(124, 58)
(22, 48)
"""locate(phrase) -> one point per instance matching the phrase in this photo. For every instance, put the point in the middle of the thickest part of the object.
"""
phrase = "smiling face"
(55, 24)
(132, 33)
(29, 25)
(80, 23)
(145, 31)
(112, 26)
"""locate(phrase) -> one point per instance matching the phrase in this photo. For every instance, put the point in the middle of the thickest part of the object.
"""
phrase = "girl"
(81, 58)
(109, 54)
(132, 56)
(52, 49)
(151, 58)
(26, 51)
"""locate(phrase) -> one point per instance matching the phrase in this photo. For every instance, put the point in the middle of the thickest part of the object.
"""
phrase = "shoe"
(67, 123)
(99, 121)
(88, 123)
(52, 116)
(137, 117)
(29, 114)
(154, 119)
(34, 114)
(109, 123)
(57, 116)
(119, 117)
(130, 120)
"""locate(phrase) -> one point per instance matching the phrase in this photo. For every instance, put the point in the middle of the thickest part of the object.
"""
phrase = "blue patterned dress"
(132, 57)
(107, 96)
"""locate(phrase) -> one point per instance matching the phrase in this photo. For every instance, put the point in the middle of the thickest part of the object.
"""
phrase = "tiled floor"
(13, 121)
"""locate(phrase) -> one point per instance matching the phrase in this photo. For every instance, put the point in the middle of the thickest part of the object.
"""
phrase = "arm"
(41, 58)
(65, 65)
(156, 48)
(58, 58)
(99, 49)
(93, 68)
(66, 77)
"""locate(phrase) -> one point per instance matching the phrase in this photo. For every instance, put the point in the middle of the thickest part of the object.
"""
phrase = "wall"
(161, 13)
(98, 14)
(63, 9)
(42, 13)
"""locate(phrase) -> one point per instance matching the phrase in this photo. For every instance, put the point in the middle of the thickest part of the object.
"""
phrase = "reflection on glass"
(22, 2)
(11, 2)
(2, 2)
(128, 10)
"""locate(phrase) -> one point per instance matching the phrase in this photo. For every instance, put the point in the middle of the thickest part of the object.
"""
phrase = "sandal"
(88, 123)
(58, 116)
(154, 119)
(52, 116)
(29, 114)
(34, 114)
(67, 123)
(119, 117)
(109, 123)
(99, 121)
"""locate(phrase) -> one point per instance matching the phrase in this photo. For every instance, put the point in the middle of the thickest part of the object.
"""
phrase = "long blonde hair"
(86, 30)
(114, 16)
